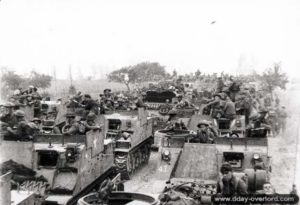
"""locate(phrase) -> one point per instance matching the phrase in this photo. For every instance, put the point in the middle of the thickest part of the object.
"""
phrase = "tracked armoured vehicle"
(70, 166)
(132, 134)
(156, 100)
(196, 171)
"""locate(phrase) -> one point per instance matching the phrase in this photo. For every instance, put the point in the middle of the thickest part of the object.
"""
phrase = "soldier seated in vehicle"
(7, 115)
(204, 134)
(72, 126)
(229, 185)
(89, 105)
(140, 102)
(216, 106)
(182, 126)
(21, 130)
(37, 122)
(259, 121)
(182, 103)
(90, 124)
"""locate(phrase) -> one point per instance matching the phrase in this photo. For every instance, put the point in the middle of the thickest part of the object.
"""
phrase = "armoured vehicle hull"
(133, 136)
(71, 166)
(198, 165)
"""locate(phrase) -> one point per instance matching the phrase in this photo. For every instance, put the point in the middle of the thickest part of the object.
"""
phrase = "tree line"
(270, 79)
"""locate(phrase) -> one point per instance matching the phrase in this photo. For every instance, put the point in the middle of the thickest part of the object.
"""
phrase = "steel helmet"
(19, 113)
(9, 104)
(91, 116)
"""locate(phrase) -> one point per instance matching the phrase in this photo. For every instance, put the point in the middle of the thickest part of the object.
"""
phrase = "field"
(60, 88)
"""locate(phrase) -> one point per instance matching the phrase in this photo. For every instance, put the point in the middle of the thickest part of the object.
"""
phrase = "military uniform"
(233, 185)
(229, 110)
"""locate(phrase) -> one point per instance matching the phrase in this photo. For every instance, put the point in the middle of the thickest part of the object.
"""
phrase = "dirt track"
(285, 160)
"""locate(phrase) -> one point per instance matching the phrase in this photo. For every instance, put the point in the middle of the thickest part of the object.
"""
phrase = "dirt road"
(283, 148)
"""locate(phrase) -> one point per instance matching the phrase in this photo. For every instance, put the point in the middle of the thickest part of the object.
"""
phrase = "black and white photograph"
(149, 102)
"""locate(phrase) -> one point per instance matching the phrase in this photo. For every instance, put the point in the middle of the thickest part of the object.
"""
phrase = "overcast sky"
(91, 35)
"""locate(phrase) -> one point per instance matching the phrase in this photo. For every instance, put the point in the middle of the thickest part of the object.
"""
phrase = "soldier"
(139, 102)
(267, 101)
(72, 126)
(282, 115)
(182, 125)
(229, 109)
(216, 106)
(35, 94)
(78, 97)
(204, 135)
(20, 130)
(89, 105)
(229, 185)
(7, 115)
(182, 103)
(102, 105)
(90, 124)
(234, 88)
(37, 122)
(220, 85)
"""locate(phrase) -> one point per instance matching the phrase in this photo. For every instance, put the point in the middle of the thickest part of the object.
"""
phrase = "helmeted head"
(87, 96)
(70, 116)
(30, 88)
(20, 114)
(203, 124)
(91, 117)
(217, 96)
(36, 120)
(8, 107)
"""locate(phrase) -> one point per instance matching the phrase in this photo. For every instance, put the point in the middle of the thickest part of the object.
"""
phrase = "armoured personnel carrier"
(196, 171)
(132, 134)
(71, 166)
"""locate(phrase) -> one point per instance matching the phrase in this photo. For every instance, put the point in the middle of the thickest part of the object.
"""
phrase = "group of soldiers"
(12, 117)
(108, 101)
(258, 107)
(14, 125)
